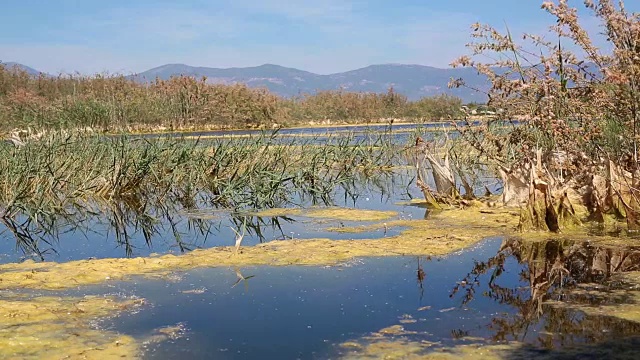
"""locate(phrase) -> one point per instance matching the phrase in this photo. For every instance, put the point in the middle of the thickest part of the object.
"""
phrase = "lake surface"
(398, 133)
(298, 312)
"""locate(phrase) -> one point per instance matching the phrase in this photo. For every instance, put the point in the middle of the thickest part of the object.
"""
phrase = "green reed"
(62, 172)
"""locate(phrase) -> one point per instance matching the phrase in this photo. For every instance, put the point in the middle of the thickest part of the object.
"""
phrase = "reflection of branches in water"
(254, 225)
(30, 232)
(240, 277)
(126, 220)
(142, 213)
(131, 217)
(27, 240)
(385, 183)
(421, 276)
(459, 333)
(122, 215)
(494, 264)
(549, 268)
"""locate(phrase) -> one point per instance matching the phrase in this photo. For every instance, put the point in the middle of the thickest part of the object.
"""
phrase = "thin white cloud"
(163, 25)
(310, 11)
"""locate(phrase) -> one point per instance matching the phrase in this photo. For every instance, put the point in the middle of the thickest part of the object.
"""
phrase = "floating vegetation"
(51, 327)
(349, 214)
(337, 213)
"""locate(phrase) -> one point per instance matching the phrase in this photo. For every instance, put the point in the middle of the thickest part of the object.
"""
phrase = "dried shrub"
(578, 106)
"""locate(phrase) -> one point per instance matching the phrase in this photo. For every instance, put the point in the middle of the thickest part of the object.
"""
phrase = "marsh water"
(483, 294)
(170, 229)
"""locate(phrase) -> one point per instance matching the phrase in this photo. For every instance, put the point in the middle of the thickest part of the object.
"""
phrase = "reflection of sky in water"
(290, 312)
(304, 312)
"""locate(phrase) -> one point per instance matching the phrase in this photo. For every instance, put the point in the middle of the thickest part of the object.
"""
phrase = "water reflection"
(305, 312)
(421, 276)
(163, 223)
(552, 270)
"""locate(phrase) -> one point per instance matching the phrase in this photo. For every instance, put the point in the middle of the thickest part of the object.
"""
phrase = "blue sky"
(322, 36)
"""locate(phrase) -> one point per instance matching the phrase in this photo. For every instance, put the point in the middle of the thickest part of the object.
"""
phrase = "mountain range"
(28, 70)
(414, 81)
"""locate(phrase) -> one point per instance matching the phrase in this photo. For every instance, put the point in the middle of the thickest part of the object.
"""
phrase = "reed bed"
(71, 176)
(116, 103)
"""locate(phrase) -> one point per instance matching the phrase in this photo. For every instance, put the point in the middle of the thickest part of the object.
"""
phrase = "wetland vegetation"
(555, 194)
(117, 103)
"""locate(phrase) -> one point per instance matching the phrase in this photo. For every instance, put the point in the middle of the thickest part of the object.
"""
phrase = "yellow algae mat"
(59, 328)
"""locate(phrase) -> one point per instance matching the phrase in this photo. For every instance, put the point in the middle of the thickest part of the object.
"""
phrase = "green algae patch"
(357, 229)
(581, 234)
(384, 349)
(59, 328)
(443, 234)
(404, 348)
(619, 298)
(204, 214)
(162, 334)
(278, 212)
(350, 214)
(334, 213)
(414, 202)
(394, 342)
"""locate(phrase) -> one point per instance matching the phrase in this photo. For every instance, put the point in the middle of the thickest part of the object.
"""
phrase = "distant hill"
(30, 71)
(414, 81)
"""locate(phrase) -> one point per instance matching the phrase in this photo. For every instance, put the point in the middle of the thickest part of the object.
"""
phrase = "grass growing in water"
(64, 178)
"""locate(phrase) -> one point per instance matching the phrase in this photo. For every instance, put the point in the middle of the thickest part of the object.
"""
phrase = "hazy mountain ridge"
(28, 70)
(414, 81)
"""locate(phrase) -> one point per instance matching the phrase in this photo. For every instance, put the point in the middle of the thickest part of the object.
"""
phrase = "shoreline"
(446, 124)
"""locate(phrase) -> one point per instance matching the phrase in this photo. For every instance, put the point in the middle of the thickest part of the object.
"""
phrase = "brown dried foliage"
(579, 107)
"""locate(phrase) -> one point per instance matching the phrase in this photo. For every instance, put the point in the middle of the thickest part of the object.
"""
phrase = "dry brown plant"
(579, 109)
